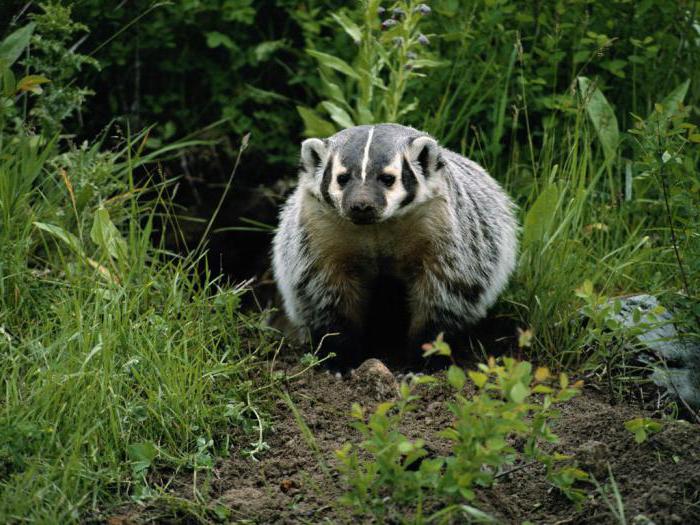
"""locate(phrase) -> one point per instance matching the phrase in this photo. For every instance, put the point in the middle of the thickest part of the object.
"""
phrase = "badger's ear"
(313, 151)
(426, 152)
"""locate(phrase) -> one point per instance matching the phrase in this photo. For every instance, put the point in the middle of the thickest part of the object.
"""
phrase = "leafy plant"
(371, 88)
(57, 63)
(643, 427)
(387, 473)
(609, 337)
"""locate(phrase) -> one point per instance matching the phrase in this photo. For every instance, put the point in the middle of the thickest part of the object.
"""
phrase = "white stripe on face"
(365, 158)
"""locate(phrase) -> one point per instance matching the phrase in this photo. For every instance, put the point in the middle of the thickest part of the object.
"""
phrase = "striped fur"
(444, 228)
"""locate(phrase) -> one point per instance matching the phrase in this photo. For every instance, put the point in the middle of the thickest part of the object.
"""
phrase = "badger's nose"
(363, 212)
(361, 207)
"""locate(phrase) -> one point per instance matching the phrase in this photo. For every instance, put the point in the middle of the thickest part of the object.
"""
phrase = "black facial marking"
(326, 182)
(409, 181)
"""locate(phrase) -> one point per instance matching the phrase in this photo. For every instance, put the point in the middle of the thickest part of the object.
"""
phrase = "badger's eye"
(387, 179)
(343, 179)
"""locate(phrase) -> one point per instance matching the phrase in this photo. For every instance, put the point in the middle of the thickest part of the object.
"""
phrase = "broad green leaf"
(602, 116)
(540, 216)
(11, 48)
(669, 106)
(456, 377)
(314, 125)
(338, 114)
(383, 408)
(350, 27)
(478, 378)
(334, 63)
(67, 237)
(405, 447)
(106, 235)
(142, 456)
(519, 392)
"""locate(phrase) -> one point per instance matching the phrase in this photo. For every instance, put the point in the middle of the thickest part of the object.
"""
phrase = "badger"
(384, 213)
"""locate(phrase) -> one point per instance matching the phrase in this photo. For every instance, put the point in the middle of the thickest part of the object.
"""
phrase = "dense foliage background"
(121, 121)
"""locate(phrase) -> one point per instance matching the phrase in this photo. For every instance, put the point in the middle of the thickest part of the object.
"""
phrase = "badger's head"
(371, 173)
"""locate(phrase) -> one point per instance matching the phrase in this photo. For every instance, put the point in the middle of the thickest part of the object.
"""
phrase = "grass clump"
(392, 477)
(116, 356)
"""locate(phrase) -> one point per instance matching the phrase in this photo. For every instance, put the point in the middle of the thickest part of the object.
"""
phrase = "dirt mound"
(295, 482)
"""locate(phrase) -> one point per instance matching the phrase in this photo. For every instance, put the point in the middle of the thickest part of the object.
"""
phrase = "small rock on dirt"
(593, 456)
(374, 378)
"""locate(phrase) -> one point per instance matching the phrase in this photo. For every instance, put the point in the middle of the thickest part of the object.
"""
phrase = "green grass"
(113, 352)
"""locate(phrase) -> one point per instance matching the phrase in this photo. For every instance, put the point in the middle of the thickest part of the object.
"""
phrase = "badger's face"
(371, 173)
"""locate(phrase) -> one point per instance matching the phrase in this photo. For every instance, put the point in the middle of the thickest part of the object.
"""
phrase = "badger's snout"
(362, 204)
(363, 212)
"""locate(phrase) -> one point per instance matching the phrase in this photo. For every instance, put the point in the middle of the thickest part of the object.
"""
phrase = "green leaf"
(8, 82)
(602, 116)
(67, 237)
(314, 125)
(334, 63)
(265, 50)
(641, 427)
(338, 114)
(405, 447)
(11, 48)
(456, 377)
(350, 27)
(331, 89)
(478, 378)
(669, 107)
(540, 216)
(519, 392)
(142, 456)
(106, 235)
(383, 408)
(216, 39)
(32, 83)
(427, 63)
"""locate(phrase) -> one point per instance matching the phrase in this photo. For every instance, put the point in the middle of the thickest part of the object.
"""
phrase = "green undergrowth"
(394, 478)
(116, 356)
